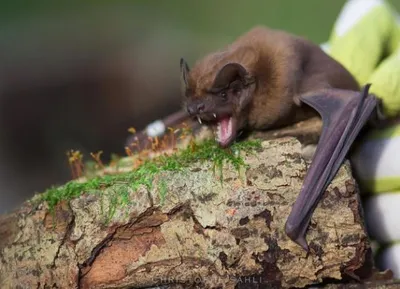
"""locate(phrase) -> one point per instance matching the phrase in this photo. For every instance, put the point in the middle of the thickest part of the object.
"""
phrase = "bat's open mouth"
(225, 132)
(224, 125)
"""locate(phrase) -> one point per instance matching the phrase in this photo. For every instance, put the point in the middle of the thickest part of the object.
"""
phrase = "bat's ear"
(184, 75)
(229, 73)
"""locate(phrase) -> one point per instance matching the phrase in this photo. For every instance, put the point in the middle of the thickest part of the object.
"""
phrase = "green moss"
(162, 189)
(144, 174)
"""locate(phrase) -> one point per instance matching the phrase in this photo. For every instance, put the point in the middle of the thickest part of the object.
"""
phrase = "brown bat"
(269, 78)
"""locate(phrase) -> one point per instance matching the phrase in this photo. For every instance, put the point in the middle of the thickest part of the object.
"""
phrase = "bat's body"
(280, 68)
(262, 81)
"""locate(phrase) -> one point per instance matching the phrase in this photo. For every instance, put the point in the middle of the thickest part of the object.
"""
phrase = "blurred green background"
(227, 17)
(77, 74)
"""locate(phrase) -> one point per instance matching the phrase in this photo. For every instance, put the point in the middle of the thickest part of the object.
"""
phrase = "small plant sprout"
(156, 143)
(128, 151)
(132, 130)
(75, 163)
(172, 137)
(149, 145)
(136, 160)
(97, 158)
(163, 143)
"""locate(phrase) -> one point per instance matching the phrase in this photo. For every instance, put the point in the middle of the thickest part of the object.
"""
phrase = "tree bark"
(307, 131)
(197, 230)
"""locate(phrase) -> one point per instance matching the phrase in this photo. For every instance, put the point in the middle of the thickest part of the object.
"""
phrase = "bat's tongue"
(224, 130)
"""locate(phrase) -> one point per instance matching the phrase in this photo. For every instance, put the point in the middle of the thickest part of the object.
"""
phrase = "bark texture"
(194, 229)
(307, 131)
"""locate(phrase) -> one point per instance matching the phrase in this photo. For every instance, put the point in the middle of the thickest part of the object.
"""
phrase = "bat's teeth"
(218, 132)
(199, 119)
(230, 126)
(215, 116)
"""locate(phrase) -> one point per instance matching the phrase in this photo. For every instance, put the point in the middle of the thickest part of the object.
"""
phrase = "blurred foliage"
(224, 19)
(208, 24)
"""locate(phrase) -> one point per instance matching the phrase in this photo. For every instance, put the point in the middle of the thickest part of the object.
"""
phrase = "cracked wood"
(205, 232)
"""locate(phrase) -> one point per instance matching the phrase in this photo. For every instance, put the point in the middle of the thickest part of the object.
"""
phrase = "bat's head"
(218, 96)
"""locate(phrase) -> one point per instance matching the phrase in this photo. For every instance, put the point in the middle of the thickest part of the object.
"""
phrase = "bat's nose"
(195, 108)
(200, 107)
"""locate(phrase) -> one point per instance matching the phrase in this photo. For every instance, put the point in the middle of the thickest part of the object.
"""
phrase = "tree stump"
(195, 228)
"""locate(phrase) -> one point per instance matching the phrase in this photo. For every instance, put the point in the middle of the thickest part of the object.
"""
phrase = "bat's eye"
(224, 95)
(236, 91)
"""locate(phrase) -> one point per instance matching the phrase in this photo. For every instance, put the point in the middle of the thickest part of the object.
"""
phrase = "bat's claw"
(293, 234)
(296, 100)
(303, 243)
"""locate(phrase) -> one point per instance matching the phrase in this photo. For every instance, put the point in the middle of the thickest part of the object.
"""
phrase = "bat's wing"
(343, 113)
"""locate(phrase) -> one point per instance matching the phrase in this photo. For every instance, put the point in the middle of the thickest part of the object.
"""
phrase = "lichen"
(144, 174)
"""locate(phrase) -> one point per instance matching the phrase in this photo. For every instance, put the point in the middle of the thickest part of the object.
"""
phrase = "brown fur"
(284, 66)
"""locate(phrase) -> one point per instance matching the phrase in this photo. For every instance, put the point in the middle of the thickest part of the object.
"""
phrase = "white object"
(378, 158)
(352, 12)
(382, 216)
(390, 259)
(325, 47)
(156, 128)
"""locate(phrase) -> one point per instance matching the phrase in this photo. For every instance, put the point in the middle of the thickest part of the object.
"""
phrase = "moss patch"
(145, 173)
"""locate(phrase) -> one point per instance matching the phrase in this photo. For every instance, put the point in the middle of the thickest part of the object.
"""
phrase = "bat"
(267, 79)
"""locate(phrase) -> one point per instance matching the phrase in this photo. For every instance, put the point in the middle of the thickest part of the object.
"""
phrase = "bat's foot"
(295, 236)
(378, 118)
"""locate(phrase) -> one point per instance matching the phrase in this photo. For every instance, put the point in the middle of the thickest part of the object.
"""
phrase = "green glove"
(377, 161)
(360, 36)
(385, 82)
(394, 43)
